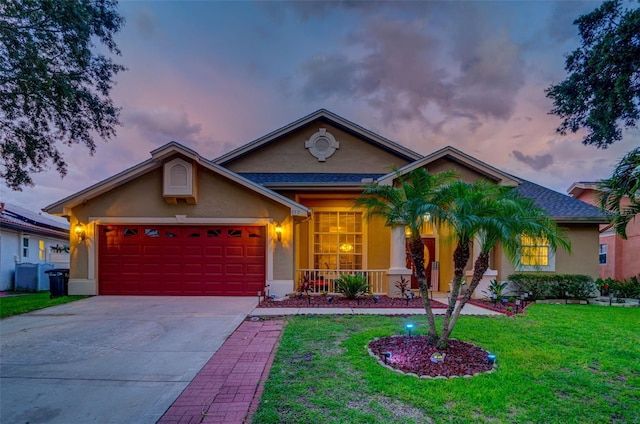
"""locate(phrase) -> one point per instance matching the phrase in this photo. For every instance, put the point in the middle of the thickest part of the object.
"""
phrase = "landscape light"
(491, 358)
(409, 327)
(386, 356)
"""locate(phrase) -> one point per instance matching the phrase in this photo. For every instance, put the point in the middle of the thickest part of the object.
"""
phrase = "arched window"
(178, 176)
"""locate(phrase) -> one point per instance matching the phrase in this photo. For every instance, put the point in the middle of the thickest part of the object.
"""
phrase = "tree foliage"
(490, 215)
(54, 82)
(407, 205)
(602, 91)
(620, 194)
(479, 211)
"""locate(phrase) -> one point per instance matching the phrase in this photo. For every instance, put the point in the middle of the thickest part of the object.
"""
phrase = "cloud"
(329, 76)
(145, 23)
(405, 70)
(560, 26)
(163, 124)
(537, 162)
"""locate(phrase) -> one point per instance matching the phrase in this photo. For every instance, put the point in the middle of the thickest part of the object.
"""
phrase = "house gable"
(319, 143)
(169, 153)
(449, 158)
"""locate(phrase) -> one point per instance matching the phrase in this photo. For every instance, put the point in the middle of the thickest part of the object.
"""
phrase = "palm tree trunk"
(416, 247)
(460, 259)
(479, 268)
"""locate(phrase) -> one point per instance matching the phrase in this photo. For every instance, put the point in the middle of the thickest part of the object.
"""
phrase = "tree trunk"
(460, 259)
(479, 268)
(417, 256)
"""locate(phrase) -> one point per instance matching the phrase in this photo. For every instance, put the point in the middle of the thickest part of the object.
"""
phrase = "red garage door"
(181, 260)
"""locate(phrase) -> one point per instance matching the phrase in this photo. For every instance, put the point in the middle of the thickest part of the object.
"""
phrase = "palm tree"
(624, 183)
(481, 210)
(407, 204)
(492, 214)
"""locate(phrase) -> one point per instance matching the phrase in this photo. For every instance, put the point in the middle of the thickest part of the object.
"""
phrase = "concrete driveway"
(109, 359)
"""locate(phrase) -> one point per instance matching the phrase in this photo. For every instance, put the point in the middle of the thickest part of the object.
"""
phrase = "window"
(41, 250)
(337, 240)
(603, 254)
(536, 255)
(25, 247)
(534, 252)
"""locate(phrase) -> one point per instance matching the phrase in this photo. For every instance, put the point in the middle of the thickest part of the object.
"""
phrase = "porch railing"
(323, 280)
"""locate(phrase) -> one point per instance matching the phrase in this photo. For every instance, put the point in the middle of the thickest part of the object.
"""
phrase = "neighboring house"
(618, 258)
(30, 237)
(279, 210)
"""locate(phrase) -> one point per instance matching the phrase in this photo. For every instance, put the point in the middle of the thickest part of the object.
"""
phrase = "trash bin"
(58, 282)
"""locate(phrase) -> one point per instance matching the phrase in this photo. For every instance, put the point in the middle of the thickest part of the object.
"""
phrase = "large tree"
(491, 215)
(620, 194)
(602, 91)
(406, 205)
(54, 81)
(479, 211)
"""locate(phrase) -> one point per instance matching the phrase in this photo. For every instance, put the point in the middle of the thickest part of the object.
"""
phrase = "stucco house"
(27, 237)
(618, 258)
(277, 210)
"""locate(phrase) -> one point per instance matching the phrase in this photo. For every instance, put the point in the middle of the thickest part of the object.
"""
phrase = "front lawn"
(557, 364)
(15, 305)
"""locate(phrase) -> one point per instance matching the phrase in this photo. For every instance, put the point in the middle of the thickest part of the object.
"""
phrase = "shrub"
(555, 285)
(629, 288)
(402, 285)
(496, 288)
(352, 285)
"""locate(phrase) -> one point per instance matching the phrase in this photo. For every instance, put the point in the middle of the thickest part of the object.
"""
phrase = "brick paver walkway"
(228, 388)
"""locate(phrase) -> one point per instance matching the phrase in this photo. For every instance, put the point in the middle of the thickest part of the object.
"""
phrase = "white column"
(398, 260)
(476, 250)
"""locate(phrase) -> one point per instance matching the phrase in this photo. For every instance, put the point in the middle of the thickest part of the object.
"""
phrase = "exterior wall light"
(279, 232)
(79, 230)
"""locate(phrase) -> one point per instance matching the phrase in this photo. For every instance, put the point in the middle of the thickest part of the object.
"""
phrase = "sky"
(215, 75)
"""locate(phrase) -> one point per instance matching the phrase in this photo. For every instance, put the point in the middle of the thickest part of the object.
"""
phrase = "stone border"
(426, 377)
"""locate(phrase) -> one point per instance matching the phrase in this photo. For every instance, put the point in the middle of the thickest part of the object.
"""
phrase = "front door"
(429, 258)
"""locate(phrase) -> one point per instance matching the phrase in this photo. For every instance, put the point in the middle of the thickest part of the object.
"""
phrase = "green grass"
(15, 305)
(558, 364)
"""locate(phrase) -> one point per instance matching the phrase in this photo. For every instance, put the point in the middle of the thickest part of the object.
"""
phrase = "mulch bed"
(315, 301)
(508, 308)
(410, 354)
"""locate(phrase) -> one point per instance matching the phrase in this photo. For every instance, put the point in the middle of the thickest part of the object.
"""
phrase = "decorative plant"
(352, 285)
(305, 285)
(402, 285)
(496, 288)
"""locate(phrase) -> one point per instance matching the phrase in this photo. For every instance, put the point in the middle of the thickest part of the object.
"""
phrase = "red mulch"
(410, 354)
(315, 301)
(508, 308)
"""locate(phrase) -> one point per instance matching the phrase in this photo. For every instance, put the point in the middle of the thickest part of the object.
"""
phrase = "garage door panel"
(181, 260)
(255, 252)
(254, 269)
(130, 251)
(234, 251)
(171, 250)
(214, 252)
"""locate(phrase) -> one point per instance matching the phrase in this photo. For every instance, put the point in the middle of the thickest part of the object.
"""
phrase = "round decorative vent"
(322, 144)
